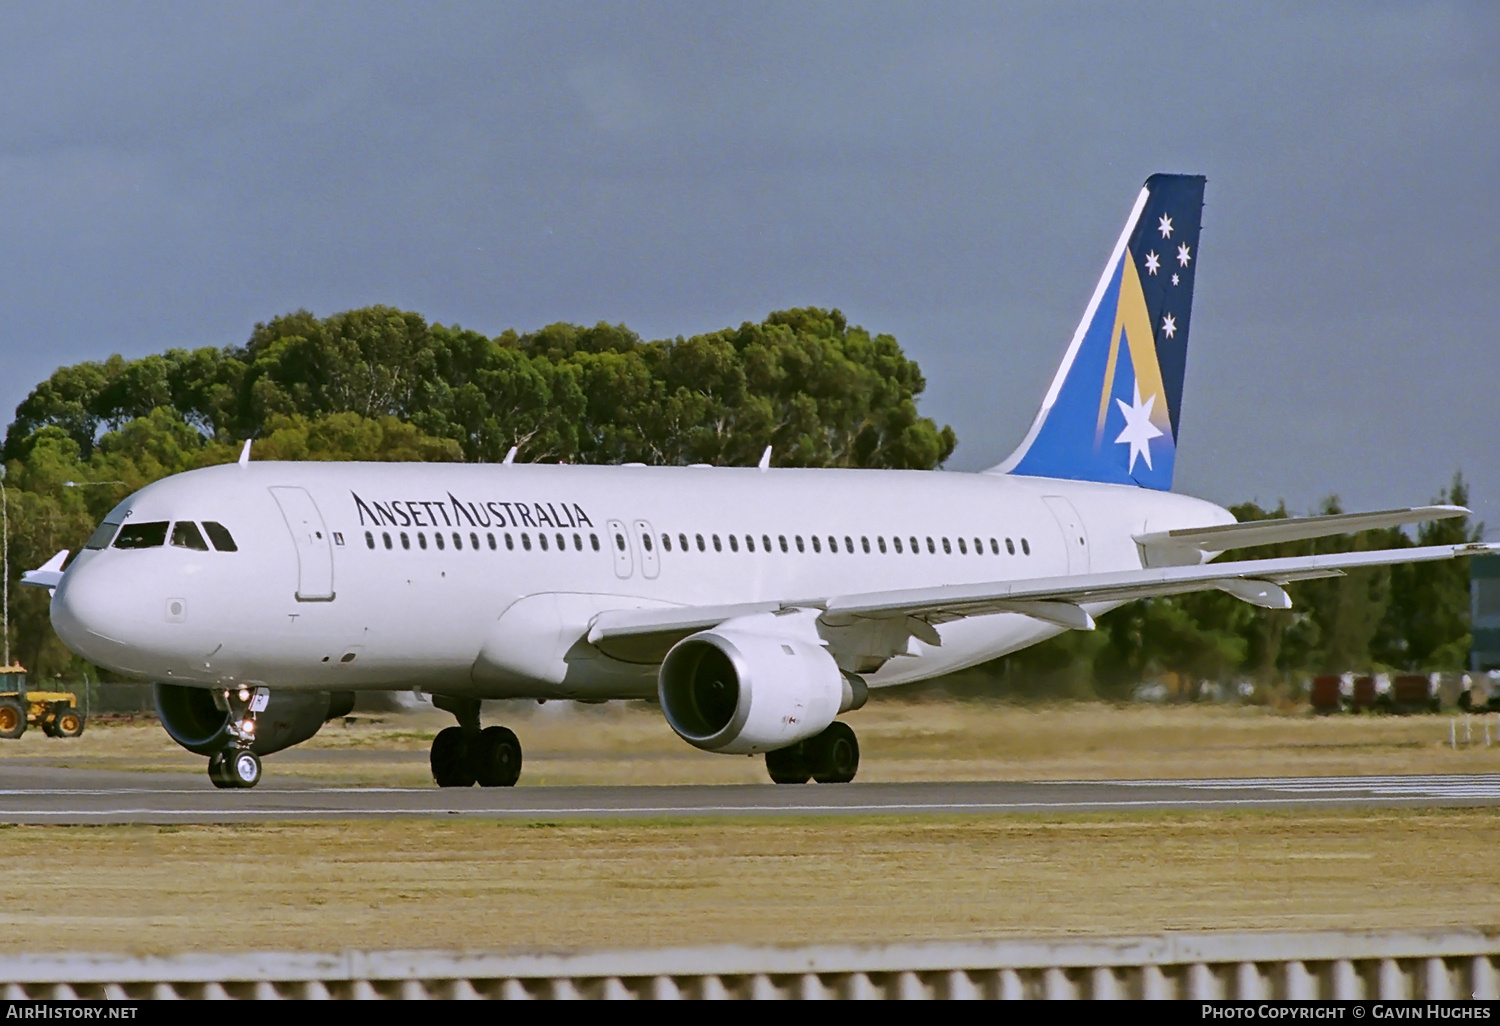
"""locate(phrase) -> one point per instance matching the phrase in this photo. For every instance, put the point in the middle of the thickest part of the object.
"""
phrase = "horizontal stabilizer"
(49, 574)
(1191, 545)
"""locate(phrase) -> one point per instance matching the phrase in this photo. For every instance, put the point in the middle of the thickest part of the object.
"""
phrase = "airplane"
(756, 605)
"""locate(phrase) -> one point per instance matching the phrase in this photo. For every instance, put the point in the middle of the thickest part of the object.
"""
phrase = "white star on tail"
(1168, 328)
(1182, 255)
(1138, 428)
(1153, 262)
(1165, 227)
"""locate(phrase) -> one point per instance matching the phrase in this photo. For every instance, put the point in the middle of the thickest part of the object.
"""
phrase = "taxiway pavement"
(44, 794)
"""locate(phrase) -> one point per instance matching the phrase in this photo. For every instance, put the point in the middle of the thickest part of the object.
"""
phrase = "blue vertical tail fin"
(1112, 411)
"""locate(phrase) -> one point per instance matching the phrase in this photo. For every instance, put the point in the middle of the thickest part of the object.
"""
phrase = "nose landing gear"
(237, 765)
(465, 755)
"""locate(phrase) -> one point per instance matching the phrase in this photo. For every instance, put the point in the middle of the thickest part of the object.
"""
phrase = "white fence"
(1439, 964)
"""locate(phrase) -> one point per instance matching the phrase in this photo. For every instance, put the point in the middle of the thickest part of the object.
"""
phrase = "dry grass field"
(900, 740)
(483, 885)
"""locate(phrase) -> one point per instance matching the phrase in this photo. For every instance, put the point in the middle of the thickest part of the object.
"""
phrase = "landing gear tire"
(789, 765)
(216, 770)
(496, 758)
(243, 768)
(450, 759)
(835, 754)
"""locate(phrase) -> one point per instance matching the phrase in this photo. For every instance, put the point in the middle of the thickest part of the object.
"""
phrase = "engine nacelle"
(737, 692)
(195, 718)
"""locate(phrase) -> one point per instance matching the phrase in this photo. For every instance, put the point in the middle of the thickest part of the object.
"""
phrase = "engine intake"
(193, 718)
(738, 692)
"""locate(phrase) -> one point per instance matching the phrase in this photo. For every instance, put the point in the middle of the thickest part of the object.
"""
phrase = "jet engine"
(198, 718)
(737, 692)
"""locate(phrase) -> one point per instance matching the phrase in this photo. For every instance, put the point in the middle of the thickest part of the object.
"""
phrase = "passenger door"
(1075, 538)
(314, 548)
(650, 559)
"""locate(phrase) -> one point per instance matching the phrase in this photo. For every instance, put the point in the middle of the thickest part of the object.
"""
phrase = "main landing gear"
(831, 757)
(236, 765)
(465, 755)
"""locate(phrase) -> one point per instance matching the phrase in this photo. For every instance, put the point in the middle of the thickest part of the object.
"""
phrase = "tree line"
(384, 384)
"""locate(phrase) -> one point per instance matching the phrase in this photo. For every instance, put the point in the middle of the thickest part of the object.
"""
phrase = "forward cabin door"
(1075, 538)
(314, 548)
(650, 561)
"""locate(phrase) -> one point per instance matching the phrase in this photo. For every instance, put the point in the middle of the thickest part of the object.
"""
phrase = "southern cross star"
(1168, 327)
(1174, 279)
(1182, 255)
(1153, 263)
(1165, 227)
(1138, 428)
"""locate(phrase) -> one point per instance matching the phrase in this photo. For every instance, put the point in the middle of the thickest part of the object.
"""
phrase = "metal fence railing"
(1426, 965)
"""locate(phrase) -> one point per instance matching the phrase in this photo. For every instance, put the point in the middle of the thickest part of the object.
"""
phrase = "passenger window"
(682, 542)
(142, 536)
(749, 543)
(526, 541)
(947, 549)
(1010, 546)
(405, 540)
(881, 542)
(931, 548)
(781, 538)
(978, 546)
(765, 542)
(562, 543)
(1025, 546)
(799, 544)
(510, 542)
(369, 540)
(437, 537)
(666, 543)
(385, 536)
(474, 541)
(718, 546)
(102, 536)
(594, 541)
(491, 539)
(185, 535)
(864, 543)
(701, 546)
(421, 539)
(541, 539)
(458, 540)
(833, 544)
(916, 549)
(620, 541)
(734, 543)
(962, 548)
(896, 541)
(994, 546)
(646, 542)
(578, 542)
(817, 545)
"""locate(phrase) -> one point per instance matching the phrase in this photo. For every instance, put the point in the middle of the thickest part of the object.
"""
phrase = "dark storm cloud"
(170, 174)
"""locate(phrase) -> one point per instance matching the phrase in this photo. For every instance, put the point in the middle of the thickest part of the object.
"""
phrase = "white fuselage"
(307, 602)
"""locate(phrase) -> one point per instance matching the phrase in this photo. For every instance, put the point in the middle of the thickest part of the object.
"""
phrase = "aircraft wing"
(645, 635)
(1194, 544)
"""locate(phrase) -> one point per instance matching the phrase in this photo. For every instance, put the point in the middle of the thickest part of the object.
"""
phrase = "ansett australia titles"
(454, 512)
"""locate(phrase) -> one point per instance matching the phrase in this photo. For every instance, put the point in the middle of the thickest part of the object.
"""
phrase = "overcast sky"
(954, 174)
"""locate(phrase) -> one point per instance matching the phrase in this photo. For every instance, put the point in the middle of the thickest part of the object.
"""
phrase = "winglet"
(49, 574)
(510, 457)
(765, 459)
(244, 460)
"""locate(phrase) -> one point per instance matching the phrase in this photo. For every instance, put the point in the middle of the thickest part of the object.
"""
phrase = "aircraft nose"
(91, 615)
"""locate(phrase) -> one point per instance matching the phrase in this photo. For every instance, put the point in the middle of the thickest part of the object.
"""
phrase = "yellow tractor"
(56, 712)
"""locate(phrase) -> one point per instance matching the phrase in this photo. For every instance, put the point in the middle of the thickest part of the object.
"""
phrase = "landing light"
(247, 726)
(244, 694)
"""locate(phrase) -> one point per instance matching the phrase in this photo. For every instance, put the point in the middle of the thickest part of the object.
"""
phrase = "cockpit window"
(185, 535)
(142, 536)
(220, 536)
(103, 535)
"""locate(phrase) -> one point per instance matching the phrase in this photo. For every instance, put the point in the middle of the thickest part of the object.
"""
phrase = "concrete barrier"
(1437, 964)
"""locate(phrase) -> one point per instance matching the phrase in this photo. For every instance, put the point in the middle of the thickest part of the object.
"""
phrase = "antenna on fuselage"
(510, 457)
(244, 459)
(765, 459)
